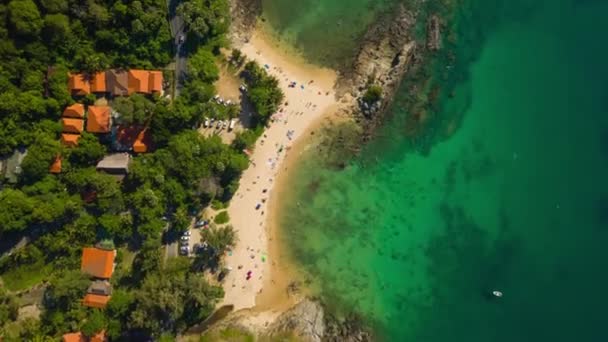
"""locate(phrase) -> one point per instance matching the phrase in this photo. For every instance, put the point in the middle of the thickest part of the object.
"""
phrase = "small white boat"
(497, 293)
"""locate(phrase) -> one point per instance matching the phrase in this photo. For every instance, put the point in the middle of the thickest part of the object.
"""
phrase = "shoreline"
(258, 248)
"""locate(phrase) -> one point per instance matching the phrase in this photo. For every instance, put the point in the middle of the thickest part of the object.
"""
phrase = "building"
(145, 82)
(143, 142)
(74, 111)
(132, 138)
(99, 264)
(116, 164)
(78, 84)
(10, 167)
(117, 82)
(80, 337)
(98, 82)
(69, 140)
(70, 125)
(56, 165)
(99, 119)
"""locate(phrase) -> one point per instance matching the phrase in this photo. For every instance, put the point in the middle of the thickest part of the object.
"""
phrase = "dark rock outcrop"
(305, 320)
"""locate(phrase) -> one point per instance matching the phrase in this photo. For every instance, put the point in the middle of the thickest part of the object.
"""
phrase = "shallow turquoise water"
(414, 234)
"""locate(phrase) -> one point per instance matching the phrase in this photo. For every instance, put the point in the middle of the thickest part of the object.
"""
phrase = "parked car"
(201, 223)
(258, 206)
(231, 125)
(219, 124)
(181, 39)
(184, 250)
(185, 238)
(187, 233)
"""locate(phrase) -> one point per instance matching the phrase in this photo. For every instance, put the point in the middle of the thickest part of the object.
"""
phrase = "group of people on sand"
(263, 185)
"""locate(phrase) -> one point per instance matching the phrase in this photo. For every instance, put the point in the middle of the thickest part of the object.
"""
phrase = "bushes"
(373, 94)
(264, 92)
(222, 217)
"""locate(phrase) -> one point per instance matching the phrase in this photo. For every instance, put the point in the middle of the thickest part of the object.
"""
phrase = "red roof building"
(98, 82)
(143, 142)
(98, 119)
(95, 301)
(156, 81)
(74, 111)
(56, 166)
(97, 262)
(80, 337)
(78, 84)
(71, 125)
(70, 140)
(145, 82)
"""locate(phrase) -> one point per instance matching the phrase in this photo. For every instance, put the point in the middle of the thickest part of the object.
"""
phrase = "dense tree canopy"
(206, 18)
(58, 214)
(264, 92)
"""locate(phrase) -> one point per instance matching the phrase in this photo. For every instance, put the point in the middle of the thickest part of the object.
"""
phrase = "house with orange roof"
(143, 142)
(78, 84)
(139, 81)
(117, 82)
(156, 81)
(98, 119)
(132, 138)
(98, 82)
(74, 111)
(98, 262)
(80, 337)
(70, 140)
(145, 81)
(71, 125)
(56, 165)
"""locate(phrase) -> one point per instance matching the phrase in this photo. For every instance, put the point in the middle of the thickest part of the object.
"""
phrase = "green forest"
(53, 216)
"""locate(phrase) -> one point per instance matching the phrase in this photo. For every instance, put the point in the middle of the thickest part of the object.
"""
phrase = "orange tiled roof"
(78, 84)
(99, 337)
(98, 82)
(97, 262)
(72, 125)
(95, 301)
(56, 166)
(139, 81)
(74, 111)
(98, 120)
(74, 337)
(70, 140)
(142, 143)
(156, 81)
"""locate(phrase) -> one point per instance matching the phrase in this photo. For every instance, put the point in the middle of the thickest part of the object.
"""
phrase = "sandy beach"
(305, 106)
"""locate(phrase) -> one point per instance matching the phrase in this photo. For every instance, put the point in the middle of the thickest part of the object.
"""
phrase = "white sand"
(305, 107)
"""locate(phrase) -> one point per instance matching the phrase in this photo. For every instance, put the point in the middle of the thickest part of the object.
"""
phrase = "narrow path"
(177, 25)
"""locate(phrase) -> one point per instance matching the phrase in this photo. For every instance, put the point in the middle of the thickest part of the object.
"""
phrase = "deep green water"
(413, 235)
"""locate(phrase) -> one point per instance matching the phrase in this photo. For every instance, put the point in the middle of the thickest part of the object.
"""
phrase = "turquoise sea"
(508, 190)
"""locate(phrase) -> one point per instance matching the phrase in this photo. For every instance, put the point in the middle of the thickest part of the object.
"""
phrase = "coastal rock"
(384, 56)
(305, 320)
(244, 15)
(433, 36)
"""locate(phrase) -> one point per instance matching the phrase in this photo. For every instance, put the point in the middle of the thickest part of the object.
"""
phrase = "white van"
(231, 126)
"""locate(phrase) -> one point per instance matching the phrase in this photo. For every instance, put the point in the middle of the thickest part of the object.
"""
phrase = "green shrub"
(222, 217)
(373, 94)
